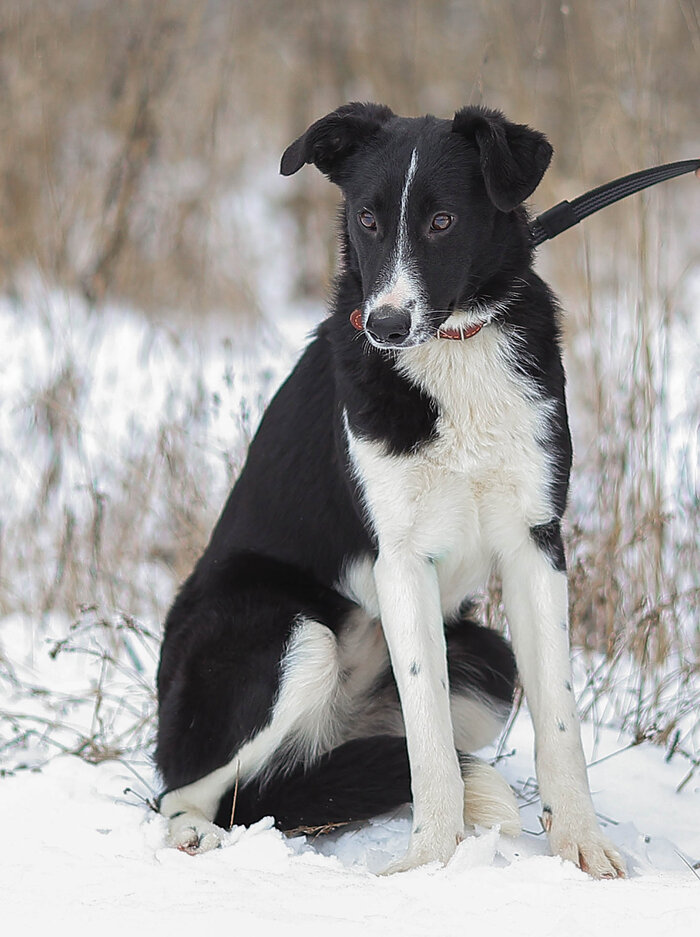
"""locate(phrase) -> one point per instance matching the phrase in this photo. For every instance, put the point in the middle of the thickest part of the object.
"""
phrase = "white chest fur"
(481, 482)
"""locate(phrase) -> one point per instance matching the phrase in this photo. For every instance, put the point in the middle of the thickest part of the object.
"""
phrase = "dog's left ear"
(513, 156)
(334, 137)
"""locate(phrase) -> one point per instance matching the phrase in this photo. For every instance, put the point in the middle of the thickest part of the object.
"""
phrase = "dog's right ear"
(334, 137)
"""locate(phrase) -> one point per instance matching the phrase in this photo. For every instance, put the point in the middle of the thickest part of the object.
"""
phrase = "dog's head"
(434, 227)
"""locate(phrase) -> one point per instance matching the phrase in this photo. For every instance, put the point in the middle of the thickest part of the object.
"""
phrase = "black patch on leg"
(546, 818)
(548, 539)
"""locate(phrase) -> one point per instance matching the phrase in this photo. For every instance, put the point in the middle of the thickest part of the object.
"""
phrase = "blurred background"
(157, 279)
(138, 135)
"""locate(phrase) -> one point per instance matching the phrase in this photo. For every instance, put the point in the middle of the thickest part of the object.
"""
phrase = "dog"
(322, 664)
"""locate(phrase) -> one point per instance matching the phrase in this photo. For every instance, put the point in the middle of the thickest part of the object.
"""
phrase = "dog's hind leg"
(300, 725)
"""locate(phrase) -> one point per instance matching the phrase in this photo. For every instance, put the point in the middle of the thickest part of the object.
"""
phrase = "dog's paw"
(194, 835)
(424, 849)
(587, 848)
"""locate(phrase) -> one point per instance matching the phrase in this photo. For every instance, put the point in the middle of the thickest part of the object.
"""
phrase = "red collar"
(455, 334)
(459, 333)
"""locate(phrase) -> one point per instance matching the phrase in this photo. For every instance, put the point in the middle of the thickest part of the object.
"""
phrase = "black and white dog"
(321, 659)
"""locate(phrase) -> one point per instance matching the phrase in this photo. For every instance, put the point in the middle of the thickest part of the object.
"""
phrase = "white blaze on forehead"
(403, 232)
(402, 285)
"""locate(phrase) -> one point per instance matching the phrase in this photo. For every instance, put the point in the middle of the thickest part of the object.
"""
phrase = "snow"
(82, 852)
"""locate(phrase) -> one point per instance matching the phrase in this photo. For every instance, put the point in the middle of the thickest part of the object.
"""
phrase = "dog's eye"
(367, 220)
(441, 222)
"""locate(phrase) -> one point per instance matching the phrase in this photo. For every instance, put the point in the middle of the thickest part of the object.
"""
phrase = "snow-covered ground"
(81, 852)
(83, 848)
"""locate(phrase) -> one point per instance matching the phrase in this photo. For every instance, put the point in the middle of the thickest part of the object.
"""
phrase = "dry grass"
(104, 713)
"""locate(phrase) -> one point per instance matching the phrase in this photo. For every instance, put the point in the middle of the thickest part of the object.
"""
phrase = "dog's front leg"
(409, 603)
(535, 598)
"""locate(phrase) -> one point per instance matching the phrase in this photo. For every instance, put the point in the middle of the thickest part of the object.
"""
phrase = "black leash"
(566, 214)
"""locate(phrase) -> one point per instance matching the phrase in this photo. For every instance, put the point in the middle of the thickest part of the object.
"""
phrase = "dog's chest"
(484, 476)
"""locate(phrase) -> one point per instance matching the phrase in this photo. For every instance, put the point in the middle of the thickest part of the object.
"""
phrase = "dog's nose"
(388, 325)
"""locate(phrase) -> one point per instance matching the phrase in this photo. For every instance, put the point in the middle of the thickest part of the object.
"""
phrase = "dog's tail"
(488, 798)
(358, 780)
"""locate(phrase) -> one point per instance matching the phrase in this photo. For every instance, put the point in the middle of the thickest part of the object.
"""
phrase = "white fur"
(364, 658)
(478, 314)
(409, 600)
(434, 513)
(357, 583)
(484, 477)
(475, 722)
(192, 832)
(488, 799)
(443, 516)
(401, 287)
(403, 227)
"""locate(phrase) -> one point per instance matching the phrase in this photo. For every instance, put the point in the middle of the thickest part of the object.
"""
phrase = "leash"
(566, 214)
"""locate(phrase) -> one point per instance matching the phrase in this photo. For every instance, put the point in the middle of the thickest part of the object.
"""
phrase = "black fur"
(548, 538)
(294, 520)
(513, 157)
(355, 781)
